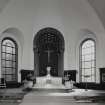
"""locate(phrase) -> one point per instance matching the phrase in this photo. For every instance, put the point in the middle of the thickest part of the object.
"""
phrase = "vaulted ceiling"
(3, 4)
(99, 7)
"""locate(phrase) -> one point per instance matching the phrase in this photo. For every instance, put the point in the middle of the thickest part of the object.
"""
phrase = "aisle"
(76, 97)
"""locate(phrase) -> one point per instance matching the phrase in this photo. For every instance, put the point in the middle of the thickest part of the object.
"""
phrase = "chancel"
(52, 51)
(49, 82)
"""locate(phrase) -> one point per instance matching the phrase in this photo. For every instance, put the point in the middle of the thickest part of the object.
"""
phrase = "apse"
(48, 46)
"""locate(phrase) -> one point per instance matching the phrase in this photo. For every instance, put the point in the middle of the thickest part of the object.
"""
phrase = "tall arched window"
(9, 53)
(88, 61)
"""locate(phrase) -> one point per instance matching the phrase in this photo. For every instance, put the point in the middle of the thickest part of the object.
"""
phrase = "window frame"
(16, 60)
(80, 60)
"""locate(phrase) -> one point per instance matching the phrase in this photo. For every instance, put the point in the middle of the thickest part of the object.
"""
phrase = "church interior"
(52, 46)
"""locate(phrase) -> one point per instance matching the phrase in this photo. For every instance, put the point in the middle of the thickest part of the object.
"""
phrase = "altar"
(48, 82)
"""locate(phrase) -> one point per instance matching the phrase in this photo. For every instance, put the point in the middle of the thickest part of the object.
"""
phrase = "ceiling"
(3, 3)
(99, 7)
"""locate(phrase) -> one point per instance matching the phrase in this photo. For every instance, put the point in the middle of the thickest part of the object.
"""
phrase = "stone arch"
(48, 42)
(16, 33)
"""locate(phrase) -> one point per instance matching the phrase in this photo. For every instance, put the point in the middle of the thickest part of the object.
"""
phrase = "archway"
(48, 51)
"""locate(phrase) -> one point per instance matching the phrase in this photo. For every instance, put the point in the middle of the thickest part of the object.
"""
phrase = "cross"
(49, 51)
(68, 75)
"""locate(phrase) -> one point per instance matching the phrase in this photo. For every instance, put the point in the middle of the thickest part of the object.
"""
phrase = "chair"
(2, 83)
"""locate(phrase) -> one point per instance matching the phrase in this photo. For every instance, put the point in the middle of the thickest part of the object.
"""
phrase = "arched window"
(9, 53)
(88, 61)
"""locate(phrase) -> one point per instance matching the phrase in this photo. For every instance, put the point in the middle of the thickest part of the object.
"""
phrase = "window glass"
(88, 61)
(8, 59)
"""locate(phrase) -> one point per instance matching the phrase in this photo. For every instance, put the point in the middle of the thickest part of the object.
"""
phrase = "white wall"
(70, 17)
